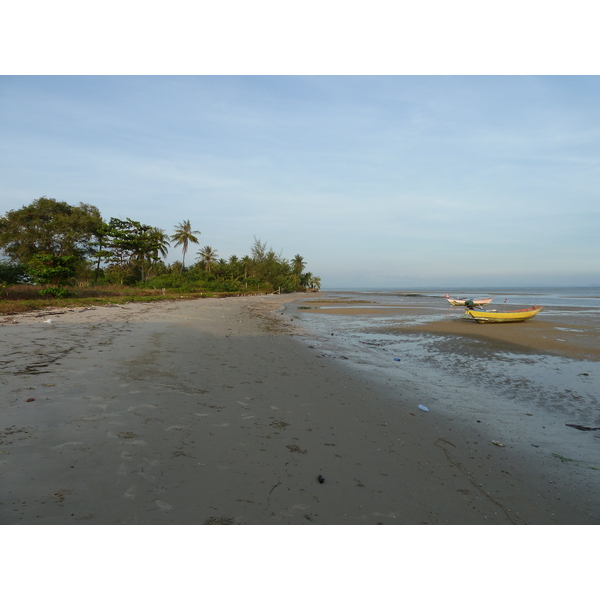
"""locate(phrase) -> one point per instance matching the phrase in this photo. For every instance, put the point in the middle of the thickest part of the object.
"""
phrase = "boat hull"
(515, 316)
(460, 302)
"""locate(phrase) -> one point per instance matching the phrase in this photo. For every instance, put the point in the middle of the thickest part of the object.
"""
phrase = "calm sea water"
(584, 297)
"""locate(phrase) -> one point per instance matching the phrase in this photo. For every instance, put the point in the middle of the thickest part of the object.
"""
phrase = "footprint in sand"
(130, 493)
(67, 444)
(122, 470)
(163, 505)
(132, 408)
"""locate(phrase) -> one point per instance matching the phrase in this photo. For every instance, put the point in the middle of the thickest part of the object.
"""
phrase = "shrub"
(55, 292)
(12, 273)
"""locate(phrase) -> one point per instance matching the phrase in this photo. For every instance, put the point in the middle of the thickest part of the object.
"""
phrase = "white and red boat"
(461, 301)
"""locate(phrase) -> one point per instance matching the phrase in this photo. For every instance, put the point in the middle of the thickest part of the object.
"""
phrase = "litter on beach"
(497, 444)
(398, 359)
(582, 427)
(423, 408)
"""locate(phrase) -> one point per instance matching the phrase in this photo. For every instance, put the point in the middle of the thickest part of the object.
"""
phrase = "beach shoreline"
(218, 411)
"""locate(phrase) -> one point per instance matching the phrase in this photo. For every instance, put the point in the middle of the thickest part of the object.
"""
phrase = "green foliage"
(131, 248)
(12, 273)
(49, 268)
(275, 270)
(208, 257)
(192, 281)
(47, 226)
(55, 292)
(167, 281)
(183, 236)
(49, 241)
(252, 282)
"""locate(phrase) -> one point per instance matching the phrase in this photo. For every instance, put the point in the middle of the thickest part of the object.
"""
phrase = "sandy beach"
(218, 411)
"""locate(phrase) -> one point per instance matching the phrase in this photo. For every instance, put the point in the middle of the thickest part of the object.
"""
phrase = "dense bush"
(12, 273)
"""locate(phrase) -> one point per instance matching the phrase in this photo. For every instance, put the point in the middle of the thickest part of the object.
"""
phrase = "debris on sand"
(219, 521)
(295, 448)
(582, 427)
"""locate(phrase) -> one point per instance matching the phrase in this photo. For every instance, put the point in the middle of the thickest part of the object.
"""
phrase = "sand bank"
(212, 412)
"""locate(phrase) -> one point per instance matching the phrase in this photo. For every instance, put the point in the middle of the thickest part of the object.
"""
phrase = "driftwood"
(583, 427)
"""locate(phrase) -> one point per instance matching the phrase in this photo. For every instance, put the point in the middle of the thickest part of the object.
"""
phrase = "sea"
(584, 297)
(464, 375)
(580, 304)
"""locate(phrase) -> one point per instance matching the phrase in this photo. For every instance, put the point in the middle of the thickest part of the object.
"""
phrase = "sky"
(404, 146)
(377, 181)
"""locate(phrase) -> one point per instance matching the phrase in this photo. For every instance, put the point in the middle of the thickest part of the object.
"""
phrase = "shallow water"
(548, 296)
(455, 371)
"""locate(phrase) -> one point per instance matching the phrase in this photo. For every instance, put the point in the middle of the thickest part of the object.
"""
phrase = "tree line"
(55, 244)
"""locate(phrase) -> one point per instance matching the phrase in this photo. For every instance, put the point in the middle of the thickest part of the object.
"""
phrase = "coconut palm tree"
(208, 256)
(298, 264)
(183, 236)
(152, 243)
(160, 243)
(246, 263)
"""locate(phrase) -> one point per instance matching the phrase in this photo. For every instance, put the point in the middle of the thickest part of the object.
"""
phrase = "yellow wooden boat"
(485, 316)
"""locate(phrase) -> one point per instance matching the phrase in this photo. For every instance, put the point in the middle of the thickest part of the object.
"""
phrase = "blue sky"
(383, 181)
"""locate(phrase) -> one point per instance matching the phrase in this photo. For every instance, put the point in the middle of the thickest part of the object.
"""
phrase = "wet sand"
(573, 339)
(212, 412)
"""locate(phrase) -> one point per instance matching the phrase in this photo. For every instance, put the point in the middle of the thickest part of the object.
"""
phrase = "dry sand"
(210, 411)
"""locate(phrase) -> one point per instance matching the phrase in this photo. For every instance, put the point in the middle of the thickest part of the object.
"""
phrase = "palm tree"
(208, 256)
(306, 279)
(152, 243)
(246, 263)
(298, 264)
(160, 243)
(183, 236)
